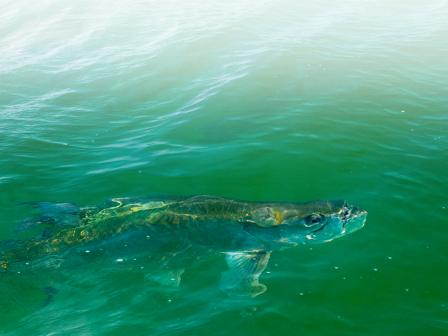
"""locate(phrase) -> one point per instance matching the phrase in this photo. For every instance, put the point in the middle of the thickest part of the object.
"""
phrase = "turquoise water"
(255, 100)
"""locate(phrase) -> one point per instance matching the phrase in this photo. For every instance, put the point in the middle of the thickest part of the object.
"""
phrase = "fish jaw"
(355, 221)
(350, 219)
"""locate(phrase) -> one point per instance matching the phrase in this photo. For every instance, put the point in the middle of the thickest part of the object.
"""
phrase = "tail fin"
(57, 215)
(8, 252)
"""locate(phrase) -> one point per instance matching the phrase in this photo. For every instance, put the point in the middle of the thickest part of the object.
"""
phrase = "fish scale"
(109, 221)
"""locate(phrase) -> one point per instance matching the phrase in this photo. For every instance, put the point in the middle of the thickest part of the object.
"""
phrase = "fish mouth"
(354, 215)
(321, 228)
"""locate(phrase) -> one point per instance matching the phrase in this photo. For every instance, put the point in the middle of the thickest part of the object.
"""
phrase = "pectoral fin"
(242, 277)
(51, 292)
(168, 278)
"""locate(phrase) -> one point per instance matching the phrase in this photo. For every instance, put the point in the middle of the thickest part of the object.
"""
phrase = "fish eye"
(314, 219)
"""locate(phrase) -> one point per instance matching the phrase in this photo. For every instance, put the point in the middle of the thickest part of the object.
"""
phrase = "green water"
(255, 100)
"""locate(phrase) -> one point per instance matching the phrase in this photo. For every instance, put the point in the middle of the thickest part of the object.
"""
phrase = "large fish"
(162, 235)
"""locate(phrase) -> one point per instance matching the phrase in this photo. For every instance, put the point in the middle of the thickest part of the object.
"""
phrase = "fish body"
(166, 234)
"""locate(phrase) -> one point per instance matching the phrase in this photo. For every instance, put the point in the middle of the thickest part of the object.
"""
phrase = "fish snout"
(353, 218)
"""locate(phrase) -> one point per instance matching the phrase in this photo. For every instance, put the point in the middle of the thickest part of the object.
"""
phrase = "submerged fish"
(162, 235)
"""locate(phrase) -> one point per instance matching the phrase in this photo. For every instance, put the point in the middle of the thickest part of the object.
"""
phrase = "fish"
(161, 236)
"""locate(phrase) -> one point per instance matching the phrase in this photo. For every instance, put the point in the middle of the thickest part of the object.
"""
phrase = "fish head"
(311, 222)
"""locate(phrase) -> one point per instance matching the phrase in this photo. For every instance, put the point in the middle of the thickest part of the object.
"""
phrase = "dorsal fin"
(57, 214)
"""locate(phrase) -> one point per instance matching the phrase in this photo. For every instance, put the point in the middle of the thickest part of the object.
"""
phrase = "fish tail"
(7, 254)
(16, 250)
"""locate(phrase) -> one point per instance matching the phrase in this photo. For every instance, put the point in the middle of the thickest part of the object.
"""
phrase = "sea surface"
(255, 100)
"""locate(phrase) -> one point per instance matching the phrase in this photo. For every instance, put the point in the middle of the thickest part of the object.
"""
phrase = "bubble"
(336, 267)
(407, 290)
(87, 251)
(390, 257)
(375, 269)
(301, 293)
(402, 111)
(119, 260)
(268, 272)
